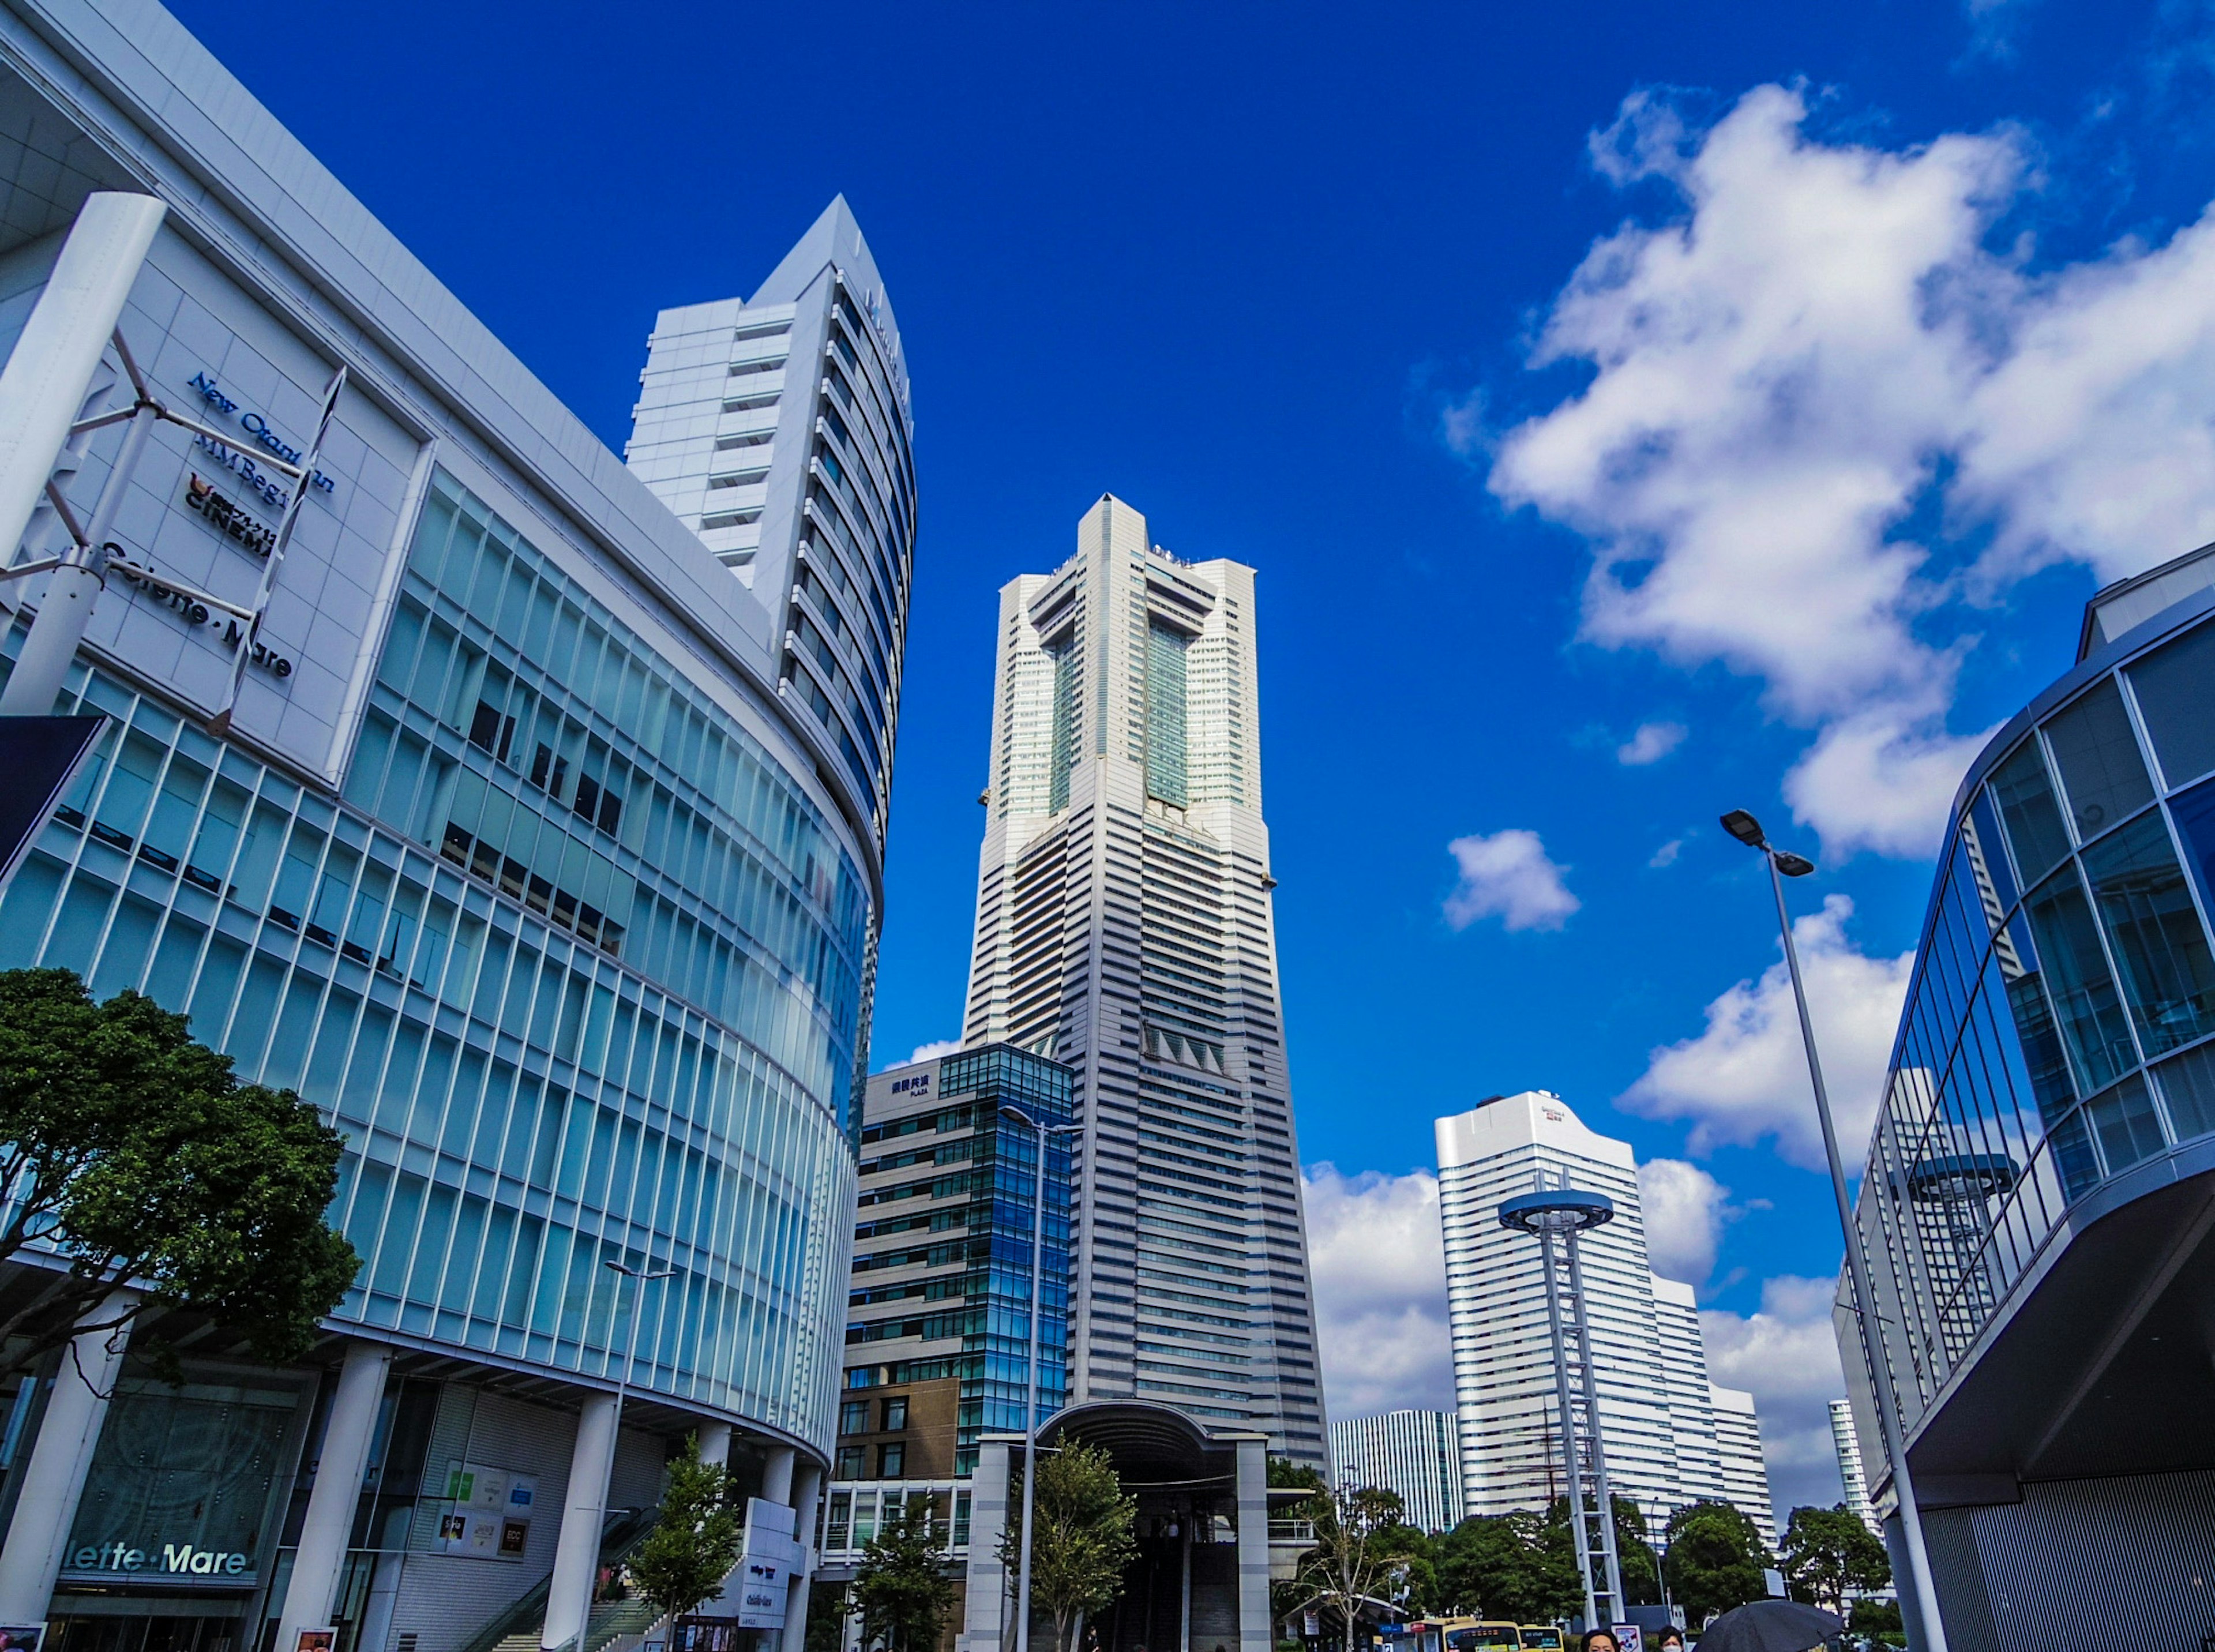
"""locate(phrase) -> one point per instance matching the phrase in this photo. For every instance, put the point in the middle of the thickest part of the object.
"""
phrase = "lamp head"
(1741, 825)
(1792, 865)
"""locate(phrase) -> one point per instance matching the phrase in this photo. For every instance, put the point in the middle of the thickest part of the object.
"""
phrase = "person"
(1670, 1636)
(1601, 1640)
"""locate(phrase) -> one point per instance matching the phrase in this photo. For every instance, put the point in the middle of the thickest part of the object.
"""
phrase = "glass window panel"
(1988, 863)
(2072, 1156)
(2046, 1069)
(2159, 945)
(2032, 817)
(2098, 757)
(2085, 1001)
(2124, 1119)
(2194, 815)
(2176, 689)
(2187, 1085)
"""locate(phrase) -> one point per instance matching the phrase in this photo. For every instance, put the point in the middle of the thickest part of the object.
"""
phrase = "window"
(2098, 757)
(2154, 928)
(740, 478)
(748, 403)
(749, 438)
(740, 369)
(730, 519)
(2176, 687)
(490, 732)
(853, 1417)
(2125, 1123)
(2084, 997)
(896, 1413)
(548, 772)
(849, 1463)
(892, 1461)
(760, 330)
(598, 803)
(2187, 1085)
(2027, 806)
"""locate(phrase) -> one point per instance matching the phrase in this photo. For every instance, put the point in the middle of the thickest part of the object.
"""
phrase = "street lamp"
(1783, 864)
(623, 1389)
(1030, 1392)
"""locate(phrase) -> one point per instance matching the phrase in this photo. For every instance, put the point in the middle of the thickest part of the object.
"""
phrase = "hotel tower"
(1125, 927)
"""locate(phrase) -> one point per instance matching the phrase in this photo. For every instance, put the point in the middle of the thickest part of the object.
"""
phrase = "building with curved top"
(540, 853)
(2039, 1192)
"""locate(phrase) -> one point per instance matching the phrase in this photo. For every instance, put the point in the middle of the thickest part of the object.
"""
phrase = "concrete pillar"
(584, 1513)
(795, 1603)
(715, 1443)
(986, 1608)
(53, 1478)
(337, 1493)
(776, 1475)
(1256, 1632)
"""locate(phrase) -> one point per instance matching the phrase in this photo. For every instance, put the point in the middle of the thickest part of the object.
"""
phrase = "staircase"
(611, 1621)
(515, 1627)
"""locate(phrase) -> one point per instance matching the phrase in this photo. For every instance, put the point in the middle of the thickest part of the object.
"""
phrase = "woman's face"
(1601, 1641)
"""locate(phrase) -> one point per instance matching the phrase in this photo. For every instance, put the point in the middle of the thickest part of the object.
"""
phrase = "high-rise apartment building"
(1125, 926)
(1416, 1455)
(778, 428)
(1851, 1475)
(1671, 1437)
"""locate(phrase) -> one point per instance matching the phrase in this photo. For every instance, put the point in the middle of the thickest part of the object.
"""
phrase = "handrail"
(621, 1534)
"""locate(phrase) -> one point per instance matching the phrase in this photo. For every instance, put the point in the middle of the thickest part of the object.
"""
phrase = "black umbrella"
(1771, 1626)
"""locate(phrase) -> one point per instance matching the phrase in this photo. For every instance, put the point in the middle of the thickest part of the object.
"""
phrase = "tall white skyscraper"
(1851, 1473)
(1125, 926)
(1416, 1454)
(1671, 1437)
(777, 428)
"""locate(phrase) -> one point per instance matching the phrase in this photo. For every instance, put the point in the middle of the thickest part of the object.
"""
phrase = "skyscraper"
(1671, 1437)
(1414, 1454)
(1125, 927)
(1851, 1475)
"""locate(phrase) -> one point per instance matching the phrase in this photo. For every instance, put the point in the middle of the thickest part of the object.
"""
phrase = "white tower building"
(1738, 1445)
(1125, 926)
(1415, 1454)
(1660, 1416)
(1851, 1473)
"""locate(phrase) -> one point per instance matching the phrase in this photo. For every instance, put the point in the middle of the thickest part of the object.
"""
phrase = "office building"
(1848, 1445)
(938, 1315)
(1671, 1437)
(1125, 927)
(778, 428)
(2036, 1207)
(1416, 1455)
(520, 857)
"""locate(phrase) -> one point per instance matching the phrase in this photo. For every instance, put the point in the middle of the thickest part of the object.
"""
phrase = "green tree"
(901, 1587)
(827, 1610)
(1081, 1540)
(1828, 1551)
(1879, 1620)
(1715, 1559)
(1361, 1553)
(696, 1538)
(1504, 1566)
(133, 1153)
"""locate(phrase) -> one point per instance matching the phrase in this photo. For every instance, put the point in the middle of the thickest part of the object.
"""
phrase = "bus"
(1469, 1635)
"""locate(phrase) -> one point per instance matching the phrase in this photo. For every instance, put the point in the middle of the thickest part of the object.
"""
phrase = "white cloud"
(1380, 1280)
(936, 1047)
(1745, 1076)
(1821, 349)
(1685, 1208)
(1786, 1355)
(1666, 855)
(1508, 876)
(1651, 743)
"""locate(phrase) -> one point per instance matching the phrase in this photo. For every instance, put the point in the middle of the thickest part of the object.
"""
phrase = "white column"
(776, 1475)
(1256, 1632)
(577, 1550)
(986, 1609)
(795, 1602)
(339, 1468)
(53, 1478)
(41, 391)
(715, 1443)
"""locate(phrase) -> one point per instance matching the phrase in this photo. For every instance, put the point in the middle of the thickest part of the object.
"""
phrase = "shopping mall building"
(541, 853)
(2038, 1209)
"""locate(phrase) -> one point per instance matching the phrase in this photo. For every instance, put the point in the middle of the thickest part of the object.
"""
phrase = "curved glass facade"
(2059, 1029)
(572, 963)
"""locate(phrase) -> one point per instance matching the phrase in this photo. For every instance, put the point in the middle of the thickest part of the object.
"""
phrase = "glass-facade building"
(520, 857)
(2051, 1092)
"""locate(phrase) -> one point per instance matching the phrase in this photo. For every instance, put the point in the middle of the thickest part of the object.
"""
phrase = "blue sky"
(1302, 284)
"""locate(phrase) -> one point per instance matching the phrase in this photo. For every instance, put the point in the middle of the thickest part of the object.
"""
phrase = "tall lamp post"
(1783, 863)
(640, 1280)
(1030, 1389)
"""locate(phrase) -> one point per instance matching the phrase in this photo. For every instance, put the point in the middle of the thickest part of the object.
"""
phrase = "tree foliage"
(901, 1587)
(695, 1539)
(1081, 1541)
(1517, 1566)
(130, 1151)
(1362, 1552)
(1827, 1552)
(1715, 1559)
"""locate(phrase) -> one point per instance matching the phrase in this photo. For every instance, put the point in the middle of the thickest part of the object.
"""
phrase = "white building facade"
(1738, 1449)
(1851, 1475)
(1662, 1423)
(1415, 1454)
(1125, 927)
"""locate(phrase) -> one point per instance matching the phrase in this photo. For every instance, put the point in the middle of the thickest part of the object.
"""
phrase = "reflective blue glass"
(2176, 687)
(2085, 1001)
(2027, 806)
(2168, 974)
(2098, 757)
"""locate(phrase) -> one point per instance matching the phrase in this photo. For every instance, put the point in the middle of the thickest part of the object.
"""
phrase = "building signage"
(276, 489)
(758, 1589)
(195, 612)
(159, 1558)
(201, 498)
(489, 1516)
(920, 1082)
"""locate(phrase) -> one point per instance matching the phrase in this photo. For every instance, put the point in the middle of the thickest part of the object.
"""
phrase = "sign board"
(317, 1640)
(21, 1637)
(772, 1556)
(489, 1511)
(1629, 1637)
(41, 756)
